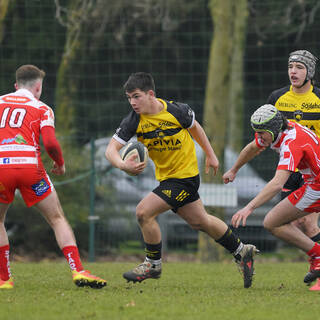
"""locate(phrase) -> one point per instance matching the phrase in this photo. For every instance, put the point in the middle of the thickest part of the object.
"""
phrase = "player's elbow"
(277, 188)
(276, 185)
(110, 150)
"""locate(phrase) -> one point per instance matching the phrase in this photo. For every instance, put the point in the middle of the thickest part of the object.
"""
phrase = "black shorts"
(294, 182)
(178, 192)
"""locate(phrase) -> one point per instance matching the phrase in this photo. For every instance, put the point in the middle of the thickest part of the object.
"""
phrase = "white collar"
(25, 92)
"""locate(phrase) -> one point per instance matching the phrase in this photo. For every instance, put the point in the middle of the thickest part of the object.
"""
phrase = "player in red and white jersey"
(23, 118)
(297, 142)
(298, 148)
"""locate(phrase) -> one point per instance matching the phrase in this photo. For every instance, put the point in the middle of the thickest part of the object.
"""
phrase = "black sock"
(230, 241)
(153, 251)
(316, 238)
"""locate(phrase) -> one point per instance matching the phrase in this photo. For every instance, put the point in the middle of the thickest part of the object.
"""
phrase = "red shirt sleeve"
(52, 145)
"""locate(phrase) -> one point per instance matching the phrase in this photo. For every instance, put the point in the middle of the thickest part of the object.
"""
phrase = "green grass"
(185, 291)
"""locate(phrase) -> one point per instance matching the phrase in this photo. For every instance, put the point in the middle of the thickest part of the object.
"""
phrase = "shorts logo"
(182, 195)
(167, 193)
(40, 188)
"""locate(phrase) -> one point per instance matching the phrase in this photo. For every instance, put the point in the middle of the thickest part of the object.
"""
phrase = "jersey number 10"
(16, 118)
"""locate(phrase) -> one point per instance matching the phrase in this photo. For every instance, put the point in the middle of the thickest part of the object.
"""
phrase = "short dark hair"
(139, 80)
(28, 73)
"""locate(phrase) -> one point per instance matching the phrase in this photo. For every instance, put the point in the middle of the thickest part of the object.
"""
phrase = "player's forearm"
(246, 154)
(52, 145)
(267, 193)
(113, 156)
(200, 136)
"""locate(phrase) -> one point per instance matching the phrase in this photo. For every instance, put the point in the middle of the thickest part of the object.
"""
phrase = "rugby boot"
(314, 271)
(6, 284)
(245, 264)
(85, 279)
(143, 271)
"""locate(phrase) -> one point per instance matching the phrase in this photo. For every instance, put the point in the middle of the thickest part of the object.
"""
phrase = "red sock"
(5, 272)
(72, 255)
(315, 251)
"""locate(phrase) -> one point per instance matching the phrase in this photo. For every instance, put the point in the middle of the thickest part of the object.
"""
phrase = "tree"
(223, 106)
(4, 9)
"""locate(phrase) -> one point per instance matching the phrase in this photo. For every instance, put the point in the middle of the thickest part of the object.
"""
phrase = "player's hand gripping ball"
(136, 148)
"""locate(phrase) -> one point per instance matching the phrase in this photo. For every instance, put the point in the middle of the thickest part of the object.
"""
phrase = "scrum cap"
(307, 58)
(267, 118)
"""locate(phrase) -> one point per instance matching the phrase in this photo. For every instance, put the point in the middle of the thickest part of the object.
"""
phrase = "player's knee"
(56, 218)
(141, 214)
(268, 225)
(199, 224)
(196, 226)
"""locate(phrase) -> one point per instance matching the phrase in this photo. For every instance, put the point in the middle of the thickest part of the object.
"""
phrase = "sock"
(71, 253)
(231, 242)
(5, 272)
(153, 251)
(315, 251)
(316, 238)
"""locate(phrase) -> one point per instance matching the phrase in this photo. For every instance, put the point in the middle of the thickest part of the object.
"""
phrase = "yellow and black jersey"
(165, 134)
(299, 107)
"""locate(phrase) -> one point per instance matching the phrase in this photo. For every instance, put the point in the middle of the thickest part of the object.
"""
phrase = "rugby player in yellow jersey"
(166, 129)
(300, 102)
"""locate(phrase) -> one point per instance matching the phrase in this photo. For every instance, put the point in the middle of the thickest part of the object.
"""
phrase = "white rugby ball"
(136, 148)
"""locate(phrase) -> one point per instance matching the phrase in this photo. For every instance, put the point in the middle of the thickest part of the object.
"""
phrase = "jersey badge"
(298, 115)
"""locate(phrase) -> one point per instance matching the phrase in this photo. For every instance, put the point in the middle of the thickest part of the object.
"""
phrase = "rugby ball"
(137, 148)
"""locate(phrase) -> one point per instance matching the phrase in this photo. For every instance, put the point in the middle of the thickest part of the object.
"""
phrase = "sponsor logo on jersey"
(311, 105)
(147, 125)
(167, 193)
(16, 99)
(164, 142)
(18, 139)
(40, 188)
(287, 105)
(165, 124)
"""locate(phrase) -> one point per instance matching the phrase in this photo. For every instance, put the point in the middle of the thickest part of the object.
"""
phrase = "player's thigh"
(309, 220)
(50, 207)
(9, 180)
(284, 212)
(151, 206)
(193, 212)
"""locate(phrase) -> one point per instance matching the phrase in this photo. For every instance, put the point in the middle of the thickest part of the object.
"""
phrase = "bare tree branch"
(285, 18)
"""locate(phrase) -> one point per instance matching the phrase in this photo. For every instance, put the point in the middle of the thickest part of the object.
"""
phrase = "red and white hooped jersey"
(22, 117)
(299, 148)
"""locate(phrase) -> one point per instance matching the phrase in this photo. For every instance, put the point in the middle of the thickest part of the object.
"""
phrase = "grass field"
(185, 291)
